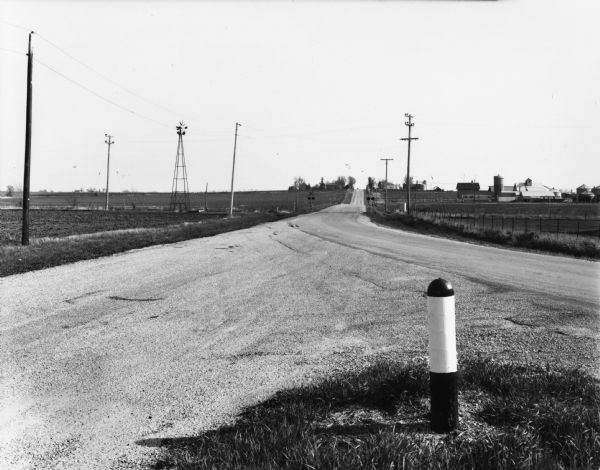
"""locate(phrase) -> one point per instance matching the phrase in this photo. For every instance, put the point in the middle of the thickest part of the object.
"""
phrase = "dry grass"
(511, 416)
(47, 252)
(582, 246)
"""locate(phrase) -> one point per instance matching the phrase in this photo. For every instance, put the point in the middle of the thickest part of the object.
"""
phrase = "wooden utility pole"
(237, 124)
(205, 196)
(27, 170)
(108, 142)
(386, 180)
(408, 123)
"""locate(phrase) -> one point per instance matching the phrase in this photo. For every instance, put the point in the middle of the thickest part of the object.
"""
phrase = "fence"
(514, 224)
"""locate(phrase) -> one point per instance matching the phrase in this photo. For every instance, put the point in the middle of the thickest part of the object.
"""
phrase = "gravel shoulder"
(101, 357)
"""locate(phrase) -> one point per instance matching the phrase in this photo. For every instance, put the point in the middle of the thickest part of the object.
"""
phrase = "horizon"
(320, 90)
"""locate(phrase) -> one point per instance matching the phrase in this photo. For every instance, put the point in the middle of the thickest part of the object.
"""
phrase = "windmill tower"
(180, 196)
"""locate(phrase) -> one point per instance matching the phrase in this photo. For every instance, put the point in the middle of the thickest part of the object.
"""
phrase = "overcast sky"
(509, 87)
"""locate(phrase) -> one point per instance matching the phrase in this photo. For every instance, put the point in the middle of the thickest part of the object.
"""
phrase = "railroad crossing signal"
(370, 200)
(311, 198)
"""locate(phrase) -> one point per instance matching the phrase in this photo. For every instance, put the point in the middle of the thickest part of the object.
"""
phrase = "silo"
(498, 185)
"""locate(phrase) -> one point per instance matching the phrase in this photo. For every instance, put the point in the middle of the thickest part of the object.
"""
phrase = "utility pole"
(109, 141)
(27, 170)
(386, 180)
(205, 196)
(408, 123)
(237, 124)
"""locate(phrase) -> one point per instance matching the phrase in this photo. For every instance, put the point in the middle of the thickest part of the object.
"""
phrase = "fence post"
(577, 228)
(513, 225)
(540, 224)
(557, 227)
(526, 224)
(442, 356)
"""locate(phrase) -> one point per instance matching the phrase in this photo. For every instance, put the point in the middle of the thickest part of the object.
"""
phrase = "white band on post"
(442, 334)
(442, 356)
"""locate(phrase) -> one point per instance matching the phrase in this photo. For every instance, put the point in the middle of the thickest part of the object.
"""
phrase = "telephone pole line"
(27, 170)
(409, 124)
(386, 180)
(237, 124)
(109, 141)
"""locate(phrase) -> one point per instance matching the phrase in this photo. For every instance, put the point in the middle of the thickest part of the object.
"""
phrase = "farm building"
(415, 187)
(467, 189)
(503, 193)
(507, 194)
(584, 194)
(527, 191)
(471, 192)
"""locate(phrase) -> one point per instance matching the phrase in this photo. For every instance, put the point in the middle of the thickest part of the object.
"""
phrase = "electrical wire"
(13, 51)
(108, 79)
(100, 96)
(92, 69)
(16, 26)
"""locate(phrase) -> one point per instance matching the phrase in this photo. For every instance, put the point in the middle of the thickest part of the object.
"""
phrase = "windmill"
(180, 196)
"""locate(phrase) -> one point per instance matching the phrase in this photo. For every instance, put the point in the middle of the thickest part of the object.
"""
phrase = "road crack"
(289, 247)
(82, 296)
(116, 297)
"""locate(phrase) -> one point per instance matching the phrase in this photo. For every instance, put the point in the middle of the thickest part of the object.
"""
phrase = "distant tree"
(370, 183)
(340, 182)
(412, 181)
(351, 182)
(10, 190)
(381, 184)
(299, 183)
(322, 184)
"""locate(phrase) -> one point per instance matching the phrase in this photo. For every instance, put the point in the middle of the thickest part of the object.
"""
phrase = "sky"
(509, 87)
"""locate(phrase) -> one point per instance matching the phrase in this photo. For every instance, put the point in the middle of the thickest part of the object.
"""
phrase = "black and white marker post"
(442, 356)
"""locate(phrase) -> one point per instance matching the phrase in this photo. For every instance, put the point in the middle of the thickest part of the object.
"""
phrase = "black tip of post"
(440, 288)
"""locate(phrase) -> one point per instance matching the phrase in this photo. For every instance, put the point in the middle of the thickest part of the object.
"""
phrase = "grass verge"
(47, 252)
(512, 416)
(571, 245)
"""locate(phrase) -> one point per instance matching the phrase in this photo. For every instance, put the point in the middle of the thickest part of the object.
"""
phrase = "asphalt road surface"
(101, 359)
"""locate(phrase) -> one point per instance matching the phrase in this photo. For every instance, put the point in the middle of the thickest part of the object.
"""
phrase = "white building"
(528, 191)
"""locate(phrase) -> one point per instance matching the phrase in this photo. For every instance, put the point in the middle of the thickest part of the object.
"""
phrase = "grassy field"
(244, 201)
(434, 201)
(512, 416)
(62, 223)
(65, 236)
(564, 243)
(53, 222)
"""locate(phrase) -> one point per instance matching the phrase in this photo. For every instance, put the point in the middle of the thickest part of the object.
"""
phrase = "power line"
(11, 50)
(108, 79)
(16, 26)
(100, 96)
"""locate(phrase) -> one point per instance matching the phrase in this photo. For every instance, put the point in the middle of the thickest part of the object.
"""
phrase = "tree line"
(341, 182)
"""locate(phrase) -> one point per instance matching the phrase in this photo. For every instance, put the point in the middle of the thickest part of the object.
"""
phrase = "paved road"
(101, 358)
(556, 276)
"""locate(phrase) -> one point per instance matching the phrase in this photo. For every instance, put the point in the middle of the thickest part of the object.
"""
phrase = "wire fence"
(515, 224)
